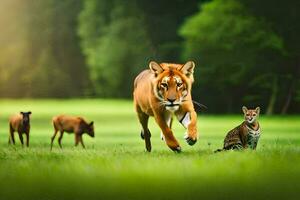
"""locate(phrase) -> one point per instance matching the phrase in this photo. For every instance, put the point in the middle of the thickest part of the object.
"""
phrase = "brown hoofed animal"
(246, 135)
(76, 125)
(162, 91)
(21, 124)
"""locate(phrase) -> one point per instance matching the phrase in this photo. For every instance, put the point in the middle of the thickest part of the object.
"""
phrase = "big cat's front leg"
(167, 132)
(189, 121)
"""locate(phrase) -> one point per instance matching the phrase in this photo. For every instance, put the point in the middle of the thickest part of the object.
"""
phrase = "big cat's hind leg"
(145, 133)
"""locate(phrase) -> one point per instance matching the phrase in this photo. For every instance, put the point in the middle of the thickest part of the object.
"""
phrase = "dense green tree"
(237, 54)
(283, 18)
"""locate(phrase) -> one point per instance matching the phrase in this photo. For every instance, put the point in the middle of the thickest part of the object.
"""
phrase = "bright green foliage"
(114, 164)
(116, 45)
(228, 26)
(93, 21)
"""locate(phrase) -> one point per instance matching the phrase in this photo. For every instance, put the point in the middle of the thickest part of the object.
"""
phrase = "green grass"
(115, 164)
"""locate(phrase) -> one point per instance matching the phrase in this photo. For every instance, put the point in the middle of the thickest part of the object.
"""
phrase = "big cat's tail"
(219, 150)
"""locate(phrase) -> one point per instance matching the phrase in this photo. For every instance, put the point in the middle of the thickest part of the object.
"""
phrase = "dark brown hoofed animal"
(76, 125)
(163, 91)
(21, 124)
(245, 135)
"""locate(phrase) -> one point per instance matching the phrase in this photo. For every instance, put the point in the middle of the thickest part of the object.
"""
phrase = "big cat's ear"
(29, 112)
(92, 123)
(245, 109)
(188, 68)
(155, 68)
(257, 110)
(21, 113)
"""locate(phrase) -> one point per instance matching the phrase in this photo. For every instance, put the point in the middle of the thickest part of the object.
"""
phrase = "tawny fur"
(154, 91)
(69, 124)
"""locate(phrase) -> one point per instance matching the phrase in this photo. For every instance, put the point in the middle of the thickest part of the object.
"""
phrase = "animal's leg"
(145, 134)
(76, 139)
(237, 146)
(189, 121)
(81, 141)
(167, 132)
(53, 137)
(11, 138)
(27, 139)
(169, 121)
(21, 138)
(255, 145)
(60, 138)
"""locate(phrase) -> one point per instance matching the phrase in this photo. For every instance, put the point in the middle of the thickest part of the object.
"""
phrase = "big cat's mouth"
(172, 105)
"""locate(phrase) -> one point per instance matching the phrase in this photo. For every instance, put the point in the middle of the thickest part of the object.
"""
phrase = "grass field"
(115, 164)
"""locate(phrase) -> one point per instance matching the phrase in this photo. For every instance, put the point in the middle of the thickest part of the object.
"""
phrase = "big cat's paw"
(191, 141)
(177, 149)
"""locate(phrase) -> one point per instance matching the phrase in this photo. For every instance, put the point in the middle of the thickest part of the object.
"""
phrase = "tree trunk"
(292, 88)
(273, 98)
(288, 99)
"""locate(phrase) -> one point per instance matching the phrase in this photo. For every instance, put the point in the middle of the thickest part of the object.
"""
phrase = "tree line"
(246, 51)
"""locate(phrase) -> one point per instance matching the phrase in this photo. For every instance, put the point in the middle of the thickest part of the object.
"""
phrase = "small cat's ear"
(257, 110)
(244, 108)
(155, 68)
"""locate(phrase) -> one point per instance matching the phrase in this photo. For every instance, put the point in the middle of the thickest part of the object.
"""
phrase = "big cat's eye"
(164, 85)
(179, 84)
(254, 115)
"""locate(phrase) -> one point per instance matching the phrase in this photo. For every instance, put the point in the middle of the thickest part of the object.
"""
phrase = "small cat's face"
(251, 115)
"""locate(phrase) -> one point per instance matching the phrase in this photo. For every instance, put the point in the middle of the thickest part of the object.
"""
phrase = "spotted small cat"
(246, 135)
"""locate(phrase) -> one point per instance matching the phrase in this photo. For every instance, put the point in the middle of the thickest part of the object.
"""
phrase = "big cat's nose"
(171, 100)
